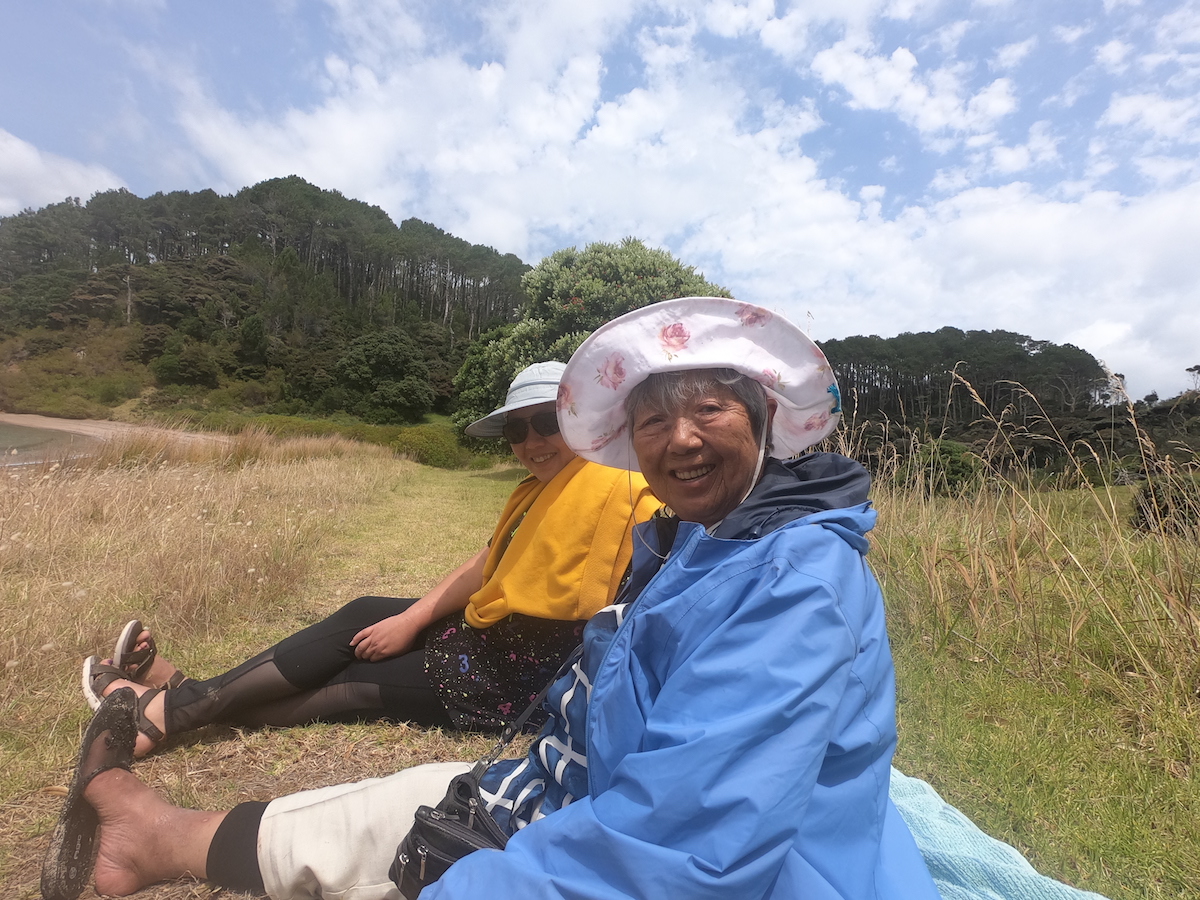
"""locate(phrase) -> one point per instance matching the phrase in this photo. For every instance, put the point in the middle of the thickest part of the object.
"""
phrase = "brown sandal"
(97, 676)
(136, 663)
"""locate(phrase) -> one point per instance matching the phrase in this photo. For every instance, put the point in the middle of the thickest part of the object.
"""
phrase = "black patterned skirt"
(486, 677)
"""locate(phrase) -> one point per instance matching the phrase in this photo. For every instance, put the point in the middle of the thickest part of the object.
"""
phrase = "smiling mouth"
(692, 474)
(538, 460)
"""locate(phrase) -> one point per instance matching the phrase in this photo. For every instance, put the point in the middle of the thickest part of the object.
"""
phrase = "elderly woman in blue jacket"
(726, 729)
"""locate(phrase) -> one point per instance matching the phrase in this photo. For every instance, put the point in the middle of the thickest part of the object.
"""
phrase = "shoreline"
(93, 431)
(100, 429)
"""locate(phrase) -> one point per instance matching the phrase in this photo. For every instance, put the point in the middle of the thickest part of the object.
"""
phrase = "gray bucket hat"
(536, 384)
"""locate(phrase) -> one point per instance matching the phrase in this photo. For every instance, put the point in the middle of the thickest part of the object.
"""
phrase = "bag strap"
(515, 726)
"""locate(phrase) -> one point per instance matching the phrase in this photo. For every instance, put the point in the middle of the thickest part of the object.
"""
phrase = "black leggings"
(315, 676)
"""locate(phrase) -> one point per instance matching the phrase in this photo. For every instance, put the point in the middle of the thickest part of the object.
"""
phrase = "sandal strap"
(138, 662)
(102, 675)
(145, 726)
(175, 680)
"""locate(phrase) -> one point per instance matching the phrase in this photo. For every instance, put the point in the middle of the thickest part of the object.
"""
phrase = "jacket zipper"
(629, 611)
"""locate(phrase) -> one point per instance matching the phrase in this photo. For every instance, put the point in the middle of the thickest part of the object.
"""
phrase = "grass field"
(223, 549)
(1046, 655)
(1048, 676)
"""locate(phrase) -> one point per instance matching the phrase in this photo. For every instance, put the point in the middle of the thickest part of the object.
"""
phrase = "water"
(21, 444)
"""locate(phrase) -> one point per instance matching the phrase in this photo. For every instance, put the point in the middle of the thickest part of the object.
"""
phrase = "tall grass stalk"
(1048, 659)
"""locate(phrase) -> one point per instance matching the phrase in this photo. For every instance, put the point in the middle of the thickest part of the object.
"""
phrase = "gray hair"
(669, 391)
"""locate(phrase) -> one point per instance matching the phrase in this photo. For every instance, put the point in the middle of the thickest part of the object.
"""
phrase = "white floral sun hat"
(694, 333)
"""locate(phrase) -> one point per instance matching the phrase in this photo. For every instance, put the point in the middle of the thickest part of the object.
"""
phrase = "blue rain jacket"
(739, 729)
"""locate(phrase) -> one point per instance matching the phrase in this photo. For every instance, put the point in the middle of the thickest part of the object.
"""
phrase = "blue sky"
(865, 166)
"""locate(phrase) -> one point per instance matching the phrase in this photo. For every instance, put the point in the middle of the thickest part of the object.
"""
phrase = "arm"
(394, 635)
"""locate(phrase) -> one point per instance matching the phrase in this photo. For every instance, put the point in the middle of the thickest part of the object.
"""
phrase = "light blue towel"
(965, 863)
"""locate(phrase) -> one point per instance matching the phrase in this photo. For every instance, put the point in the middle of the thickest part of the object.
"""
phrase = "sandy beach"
(89, 430)
(94, 428)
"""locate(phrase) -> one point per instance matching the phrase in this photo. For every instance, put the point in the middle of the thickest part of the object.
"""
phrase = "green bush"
(70, 406)
(1169, 503)
(942, 467)
(431, 445)
(39, 342)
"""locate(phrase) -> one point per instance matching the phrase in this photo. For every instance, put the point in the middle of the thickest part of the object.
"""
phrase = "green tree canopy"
(911, 377)
(385, 377)
(571, 293)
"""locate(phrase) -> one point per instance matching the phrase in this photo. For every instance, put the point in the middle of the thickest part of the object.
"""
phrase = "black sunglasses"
(544, 423)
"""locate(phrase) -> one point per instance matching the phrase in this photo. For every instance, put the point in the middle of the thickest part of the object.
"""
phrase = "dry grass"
(224, 547)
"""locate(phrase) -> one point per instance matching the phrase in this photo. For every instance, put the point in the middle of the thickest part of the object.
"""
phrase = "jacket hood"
(791, 490)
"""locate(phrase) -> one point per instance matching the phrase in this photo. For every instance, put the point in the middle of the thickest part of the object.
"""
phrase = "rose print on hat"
(565, 402)
(752, 315)
(607, 438)
(816, 422)
(770, 378)
(612, 372)
(822, 362)
(673, 338)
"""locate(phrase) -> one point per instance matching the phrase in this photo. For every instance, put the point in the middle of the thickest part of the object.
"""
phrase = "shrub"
(40, 341)
(1168, 502)
(70, 406)
(431, 445)
(943, 467)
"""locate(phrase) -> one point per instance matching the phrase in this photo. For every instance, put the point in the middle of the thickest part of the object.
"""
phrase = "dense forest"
(920, 377)
(286, 298)
(300, 295)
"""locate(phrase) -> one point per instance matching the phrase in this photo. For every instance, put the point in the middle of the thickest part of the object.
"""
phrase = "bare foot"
(161, 671)
(155, 712)
(143, 839)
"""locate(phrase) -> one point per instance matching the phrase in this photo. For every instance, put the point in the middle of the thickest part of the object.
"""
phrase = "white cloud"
(1041, 148)
(788, 36)
(951, 180)
(30, 177)
(948, 37)
(379, 30)
(1010, 55)
(1113, 56)
(536, 38)
(934, 103)
(728, 18)
(1009, 257)
(1163, 117)
(1181, 27)
(1165, 170)
(1070, 34)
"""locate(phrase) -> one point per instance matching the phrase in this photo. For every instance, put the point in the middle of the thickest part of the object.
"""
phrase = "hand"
(386, 638)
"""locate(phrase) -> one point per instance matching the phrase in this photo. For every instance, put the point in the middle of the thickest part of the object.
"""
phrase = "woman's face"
(543, 456)
(700, 459)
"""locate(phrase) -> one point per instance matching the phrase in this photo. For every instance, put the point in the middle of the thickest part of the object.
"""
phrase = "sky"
(862, 166)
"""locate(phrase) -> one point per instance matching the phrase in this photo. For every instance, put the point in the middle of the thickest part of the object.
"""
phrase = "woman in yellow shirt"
(472, 652)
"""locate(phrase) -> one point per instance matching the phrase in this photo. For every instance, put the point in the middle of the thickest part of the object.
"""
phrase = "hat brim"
(492, 425)
(694, 333)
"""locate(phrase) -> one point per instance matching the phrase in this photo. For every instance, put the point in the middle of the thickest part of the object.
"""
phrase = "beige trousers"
(338, 842)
